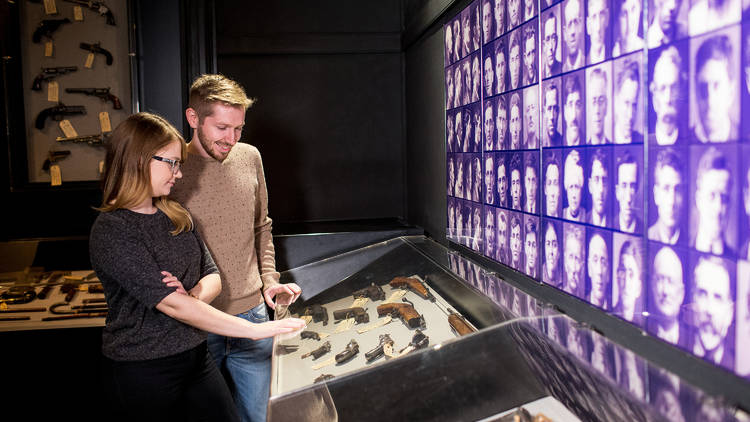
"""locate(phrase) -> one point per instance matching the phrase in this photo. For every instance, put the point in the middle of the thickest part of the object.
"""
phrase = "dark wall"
(329, 116)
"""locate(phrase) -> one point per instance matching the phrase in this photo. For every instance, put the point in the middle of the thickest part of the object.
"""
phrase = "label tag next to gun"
(77, 13)
(89, 61)
(53, 92)
(55, 175)
(104, 122)
(101, 167)
(50, 7)
(48, 49)
(67, 128)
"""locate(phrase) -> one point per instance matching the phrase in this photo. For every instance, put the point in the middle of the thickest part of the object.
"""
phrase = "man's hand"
(288, 293)
(172, 281)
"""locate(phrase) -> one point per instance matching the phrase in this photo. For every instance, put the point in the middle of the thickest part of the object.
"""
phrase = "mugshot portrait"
(499, 16)
(628, 272)
(531, 182)
(467, 130)
(500, 50)
(477, 241)
(515, 13)
(488, 21)
(714, 86)
(668, 96)
(668, 179)
(489, 179)
(515, 53)
(503, 235)
(574, 185)
(490, 232)
(552, 183)
(551, 124)
(516, 240)
(667, 21)
(467, 45)
(450, 138)
(502, 170)
(488, 70)
(598, 268)
(745, 79)
(627, 31)
(628, 99)
(713, 200)
(574, 259)
(476, 25)
(476, 181)
(628, 210)
(573, 36)
(488, 131)
(666, 395)
(466, 84)
(530, 52)
(667, 293)
(551, 57)
(531, 117)
(448, 42)
(744, 213)
(457, 35)
(531, 246)
(458, 132)
(598, 31)
(529, 9)
(515, 120)
(574, 130)
(458, 85)
(501, 122)
(451, 174)
(742, 348)
(451, 219)
(459, 184)
(515, 172)
(449, 89)
(712, 297)
(599, 104)
(600, 182)
(552, 242)
(476, 77)
(476, 116)
(705, 16)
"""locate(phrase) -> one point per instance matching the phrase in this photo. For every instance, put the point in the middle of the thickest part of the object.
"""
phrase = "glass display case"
(521, 360)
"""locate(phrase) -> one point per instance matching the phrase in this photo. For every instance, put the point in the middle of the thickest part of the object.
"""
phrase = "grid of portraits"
(606, 155)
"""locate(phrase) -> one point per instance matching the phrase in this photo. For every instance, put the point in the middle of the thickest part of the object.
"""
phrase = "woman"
(158, 278)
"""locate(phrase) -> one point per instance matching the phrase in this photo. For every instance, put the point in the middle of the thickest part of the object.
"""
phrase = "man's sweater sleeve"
(263, 237)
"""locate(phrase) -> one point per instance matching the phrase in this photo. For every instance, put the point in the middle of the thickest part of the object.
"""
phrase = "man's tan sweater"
(229, 204)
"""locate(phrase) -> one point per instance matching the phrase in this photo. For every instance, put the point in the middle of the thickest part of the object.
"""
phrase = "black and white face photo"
(573, 109)
(598, 31)
(531, 246)
(628, 27)
(628, 121)
(552, 183)
(501, 123)
(552, 249)
(667, 89)
(668, 199)
(551, 125)
(598, 268)
(599, 104)
(530, 54)
(551, 39)
(573, 34)
(628, 190)
(668, 21)
(600, 187)
(531, 117)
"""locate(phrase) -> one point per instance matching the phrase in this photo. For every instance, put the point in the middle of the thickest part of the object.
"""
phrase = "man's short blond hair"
(208, 90)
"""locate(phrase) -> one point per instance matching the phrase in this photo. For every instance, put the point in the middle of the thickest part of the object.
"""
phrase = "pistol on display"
(349, 352)
(47, 27)
(358, 313)
(379, 350)
(57, 113)
(413, 284)
(310, 334)
(319, 313)
(405, 311)
(49, 73)
(102, 93)
(459, 324)
(98, 7)
(53, 157)
(419, 341)
(320, 351)
(97, 49)
(373, 292)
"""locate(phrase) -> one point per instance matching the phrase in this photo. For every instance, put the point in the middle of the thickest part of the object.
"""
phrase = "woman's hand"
(172, 281)
(272, 328)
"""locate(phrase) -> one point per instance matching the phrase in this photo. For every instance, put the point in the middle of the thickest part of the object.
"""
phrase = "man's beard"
(207, 146)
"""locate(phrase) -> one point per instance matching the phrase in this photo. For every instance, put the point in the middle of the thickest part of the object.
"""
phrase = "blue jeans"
(246, 366)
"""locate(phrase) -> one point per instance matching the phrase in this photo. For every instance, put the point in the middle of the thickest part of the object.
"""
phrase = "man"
(713, 298)
(489, 232)
(573, 110)
(451, 175)
(668, 91)
(477, 113)
(716, 89)
(573, 259)
(552, 66)
(476, 24)
(552, 184)
(707, 15)
(599, 188)
(459, 178)
(222, 183)
(531, 130)
(449, 90)
(530, 246)
(515, 120)
(627, 92)
(476, 230)
(572, 35)
(665, 27)
(489, 76)
(457, 40)
(629, 20)
(458, 83)
(529, 54)
(489, 180)
(529, 10)
(499, 17)
(626, 188)
(459, 132)
(713, 189)
(551, 266)
(745, 252)
(502, 181)
(451, 218)
(477, 180)
(475, 78)
(667, 296)
(516, 242)
(597, 23)
(552, 137)
(630, 281)
(515, 181)
(500, 66)
(501, 123)
(450, 142)
(514, 13)
(448, 44)
(487, 24)
(466, 37)
(514, 60)
(489, 126)
(502, 236)
(598, 94)
(573, 182)
(598, 272)
(668, 197)
(530, 181)
(466, 73)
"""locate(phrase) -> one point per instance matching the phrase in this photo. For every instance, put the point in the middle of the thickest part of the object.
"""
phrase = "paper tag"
(83, 288)
(323, 335)
(50, 7)
(48, 48)
(330, 361)
(104, 122)
(344, 325)
(359, 302)
(89, 61)
(53, 91)
(388, 351)
(77, 13)
(306, 318)
(67, 129)
(55, 175)
(374, 325)
(395, 296)
(101, 166)
(3, 306)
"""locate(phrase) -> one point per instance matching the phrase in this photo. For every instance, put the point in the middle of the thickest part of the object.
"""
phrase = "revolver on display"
(319, 313)
(373, 292)
(320, 351)
(309, 334)
(405, 311)
(419, 341)
(358, 313)
(349, 352)
(379, 350)
(413, 284)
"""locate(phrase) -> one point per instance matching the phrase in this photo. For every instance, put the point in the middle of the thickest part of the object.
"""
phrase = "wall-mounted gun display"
(49, 73)
(102, 93)
(98, 7)
(97, 49)
(47, 27)
(56, 113)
